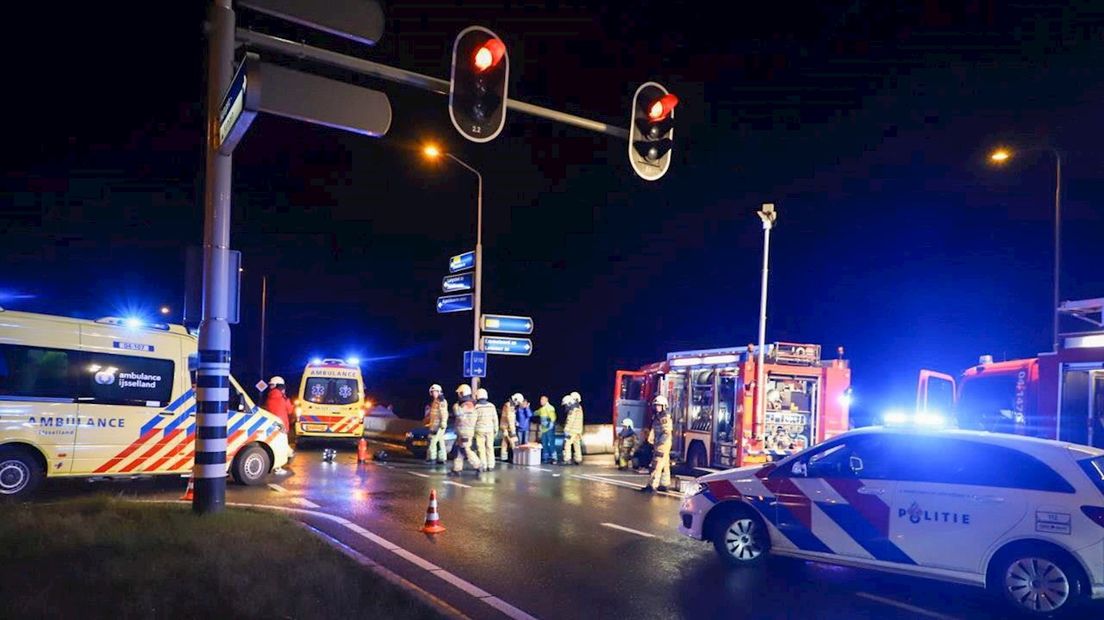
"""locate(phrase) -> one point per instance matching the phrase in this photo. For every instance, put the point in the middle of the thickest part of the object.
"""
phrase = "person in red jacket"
(277, 402)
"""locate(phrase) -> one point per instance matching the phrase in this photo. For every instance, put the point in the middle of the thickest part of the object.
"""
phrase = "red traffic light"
(661, 108)
(488, 54)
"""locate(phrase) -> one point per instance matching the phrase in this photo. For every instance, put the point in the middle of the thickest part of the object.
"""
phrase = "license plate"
(314, 428)
(421, 442)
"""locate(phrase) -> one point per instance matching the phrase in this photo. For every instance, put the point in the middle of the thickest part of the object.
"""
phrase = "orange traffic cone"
(362, 451)
(433, 520)
(188, 494)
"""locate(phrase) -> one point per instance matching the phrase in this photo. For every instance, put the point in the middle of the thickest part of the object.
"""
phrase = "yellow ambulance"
(112, 398)
(331, 403)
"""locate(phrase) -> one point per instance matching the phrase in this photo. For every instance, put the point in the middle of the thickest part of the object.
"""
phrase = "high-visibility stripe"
(118, 458)
(156, 465)
(154, 450)
(180, 400)
(210, 470)
(238, 423)
(178, 420)
(184, 460)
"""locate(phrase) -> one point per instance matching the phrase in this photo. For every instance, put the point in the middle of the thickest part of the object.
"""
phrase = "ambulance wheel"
(741, 538)
(20, 473)
(251, 466)
(1037, 580)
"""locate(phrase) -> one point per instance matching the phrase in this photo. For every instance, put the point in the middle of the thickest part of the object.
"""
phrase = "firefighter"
(660, 436)
(547, 415)
(464, 411)
(626, 445)
(436, 422)
(486, 422)
(508, 424)
(573, 431)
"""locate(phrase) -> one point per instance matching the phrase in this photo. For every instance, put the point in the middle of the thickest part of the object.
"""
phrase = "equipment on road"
(331, 403)
(189, 493)
(713, 404)
(433, 520)
(1057, 395)
(329, 454)
(362, 450)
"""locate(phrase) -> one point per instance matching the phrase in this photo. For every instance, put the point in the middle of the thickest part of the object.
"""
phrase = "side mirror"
(856, 464)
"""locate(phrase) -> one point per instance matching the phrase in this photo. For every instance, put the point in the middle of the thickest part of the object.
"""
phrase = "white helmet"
(435, 388)
(517, 399)
(481, 394)
(275, 381)
(566, 400)
(660, 400)
(464, 390)
(575, 397)
(627, 423)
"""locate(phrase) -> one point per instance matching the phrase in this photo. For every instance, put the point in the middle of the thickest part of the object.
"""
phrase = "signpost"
(462, 262)
(475, 364)
(239, 105)
(505, 324)
(457, 283)
(455, 303)
(506, 346)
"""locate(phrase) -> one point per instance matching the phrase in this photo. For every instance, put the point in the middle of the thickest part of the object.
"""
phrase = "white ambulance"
(331, 403)
(1021, 516)
(112, 398)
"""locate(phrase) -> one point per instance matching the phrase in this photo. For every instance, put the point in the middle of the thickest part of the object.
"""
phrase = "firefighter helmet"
(481, 394)
(435, 388)
(627, 423)
(517, 399)
(464, 390)
(660, 400)
(575, 397)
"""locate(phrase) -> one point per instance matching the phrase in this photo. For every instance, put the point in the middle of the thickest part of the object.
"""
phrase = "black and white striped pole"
(213, 378)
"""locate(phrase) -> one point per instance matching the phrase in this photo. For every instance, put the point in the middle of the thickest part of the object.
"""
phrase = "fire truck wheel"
(741, 538)
(251, 466)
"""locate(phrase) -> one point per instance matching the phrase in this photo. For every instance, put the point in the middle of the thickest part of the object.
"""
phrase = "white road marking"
(414, 473)
(277, 488)
(306, 503)
(913, 608)
(457, 484)
(629, 530)
(622, 483)
(462, 584)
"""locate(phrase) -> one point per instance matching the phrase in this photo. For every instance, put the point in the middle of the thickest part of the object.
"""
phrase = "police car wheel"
(741, 540)
(20, 473)
(1037, 581)
(251, 466)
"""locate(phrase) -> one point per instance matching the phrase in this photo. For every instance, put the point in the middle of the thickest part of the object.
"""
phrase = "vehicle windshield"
(1094, 469)
(988, 403)
(325, 391)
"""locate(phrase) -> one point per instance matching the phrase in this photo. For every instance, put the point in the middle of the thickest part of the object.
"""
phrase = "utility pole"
(264, 321)
(213, 376)
(768, 215)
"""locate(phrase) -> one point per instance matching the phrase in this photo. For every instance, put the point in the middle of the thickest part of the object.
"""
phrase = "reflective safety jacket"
(573, 425)
(436, 414)
(486, 420)
(547, 415)
(662, 429)
(465, 417)
(508, 421)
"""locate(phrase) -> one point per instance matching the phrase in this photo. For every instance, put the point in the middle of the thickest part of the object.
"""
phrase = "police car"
(1021, 516)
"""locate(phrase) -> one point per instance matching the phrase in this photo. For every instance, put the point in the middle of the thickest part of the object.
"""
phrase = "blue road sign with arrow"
(462, 262)
(455, 303)
(475, 364)
(506, 346)
(504, 324)
(457, 283)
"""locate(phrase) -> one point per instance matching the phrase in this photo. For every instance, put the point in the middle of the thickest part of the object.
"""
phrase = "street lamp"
(434, 152)
(767, 214)
(1003, 155)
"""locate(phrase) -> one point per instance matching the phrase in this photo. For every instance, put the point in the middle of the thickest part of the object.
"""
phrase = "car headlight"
(696, 489)
(409, 435)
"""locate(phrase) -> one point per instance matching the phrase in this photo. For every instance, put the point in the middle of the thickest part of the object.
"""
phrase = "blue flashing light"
(894, 417)
(353, 361)
(846, 399)
(931, 419)
(317, 361)
(133, 322)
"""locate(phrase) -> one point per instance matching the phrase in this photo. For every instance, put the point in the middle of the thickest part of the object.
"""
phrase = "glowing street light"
(1000, 156)
(164, 309)
(431, 151)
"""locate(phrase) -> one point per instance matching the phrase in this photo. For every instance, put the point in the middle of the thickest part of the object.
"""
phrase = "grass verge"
(101, 557)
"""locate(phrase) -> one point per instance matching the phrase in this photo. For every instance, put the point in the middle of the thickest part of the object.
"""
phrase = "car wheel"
(741, 539)
(1037, 581)
(251, 466)
(20, 473)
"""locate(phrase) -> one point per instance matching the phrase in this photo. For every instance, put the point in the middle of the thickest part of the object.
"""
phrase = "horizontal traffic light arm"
(376, 70)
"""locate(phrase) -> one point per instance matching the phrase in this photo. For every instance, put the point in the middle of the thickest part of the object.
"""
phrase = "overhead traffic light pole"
(380, 71)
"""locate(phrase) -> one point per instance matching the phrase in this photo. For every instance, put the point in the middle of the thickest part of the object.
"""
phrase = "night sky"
(866, 122)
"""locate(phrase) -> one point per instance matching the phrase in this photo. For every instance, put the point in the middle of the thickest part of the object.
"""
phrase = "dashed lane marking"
(277, 488)
(629, 530)
(458, 484)
(414, 473)
(905, 606)
(306, 503)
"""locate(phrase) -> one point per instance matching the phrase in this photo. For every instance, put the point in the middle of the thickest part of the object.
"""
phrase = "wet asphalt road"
(562, 542)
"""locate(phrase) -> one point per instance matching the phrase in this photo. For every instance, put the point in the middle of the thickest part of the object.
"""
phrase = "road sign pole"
(478, 269)
(213, 376)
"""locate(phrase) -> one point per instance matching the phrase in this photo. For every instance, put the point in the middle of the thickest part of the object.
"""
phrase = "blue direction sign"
(457, 283)
(462, 262)
(503, 324)
(454, 303)
(240, 104)
(506, 346)
(475, 364)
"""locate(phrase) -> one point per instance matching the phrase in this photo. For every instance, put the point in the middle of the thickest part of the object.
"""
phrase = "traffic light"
(652, 130)
(477, 91)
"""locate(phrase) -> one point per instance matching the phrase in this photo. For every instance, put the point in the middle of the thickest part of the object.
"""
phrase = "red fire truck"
(1058, 395)
(712, 398)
